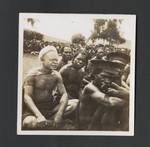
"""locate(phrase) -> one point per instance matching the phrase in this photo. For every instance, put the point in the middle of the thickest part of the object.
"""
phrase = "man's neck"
(46, 70)
(64, 60)
(75, 67)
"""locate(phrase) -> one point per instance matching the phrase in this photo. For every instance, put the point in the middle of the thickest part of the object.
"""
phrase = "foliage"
(107, 30)
(78, 39)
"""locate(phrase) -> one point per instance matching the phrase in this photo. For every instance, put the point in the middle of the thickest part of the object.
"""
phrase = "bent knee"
(72, 105)
(29, 122)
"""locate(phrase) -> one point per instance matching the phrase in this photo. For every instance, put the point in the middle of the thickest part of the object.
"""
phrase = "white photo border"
(81, 133)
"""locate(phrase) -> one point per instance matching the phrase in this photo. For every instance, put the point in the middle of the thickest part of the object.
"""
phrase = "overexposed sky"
(63, 26)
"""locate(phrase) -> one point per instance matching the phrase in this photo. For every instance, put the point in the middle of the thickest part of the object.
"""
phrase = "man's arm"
(63, 100)
(63, 74)
(30, 103)
(102, 98)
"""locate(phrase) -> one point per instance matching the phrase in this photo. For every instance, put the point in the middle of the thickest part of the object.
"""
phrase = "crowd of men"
(34, 45)
(84, 91)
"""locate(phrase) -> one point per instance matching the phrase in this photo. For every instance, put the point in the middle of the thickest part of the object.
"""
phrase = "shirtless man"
(72, 75)
(100, 101)
(39, 85)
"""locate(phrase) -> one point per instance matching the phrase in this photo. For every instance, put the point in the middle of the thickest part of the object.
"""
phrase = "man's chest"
(74, 76)
(47, 81)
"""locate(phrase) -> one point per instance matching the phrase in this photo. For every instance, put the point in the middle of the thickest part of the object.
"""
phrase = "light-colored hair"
(46, 50)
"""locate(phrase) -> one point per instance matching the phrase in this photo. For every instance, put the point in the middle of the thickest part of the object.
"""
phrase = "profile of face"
(67, 53)
(79, 61)
(50, 60)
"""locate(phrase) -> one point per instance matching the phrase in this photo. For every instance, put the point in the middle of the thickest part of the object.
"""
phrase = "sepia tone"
(78, 84)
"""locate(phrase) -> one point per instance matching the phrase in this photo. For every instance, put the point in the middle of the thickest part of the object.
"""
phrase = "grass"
(29, 62)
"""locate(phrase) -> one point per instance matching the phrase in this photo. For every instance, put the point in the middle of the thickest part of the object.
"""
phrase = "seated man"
(101, 106)
(72, 75)
(39, 85)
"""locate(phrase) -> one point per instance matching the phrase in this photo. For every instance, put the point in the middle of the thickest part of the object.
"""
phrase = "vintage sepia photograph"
(76, 74)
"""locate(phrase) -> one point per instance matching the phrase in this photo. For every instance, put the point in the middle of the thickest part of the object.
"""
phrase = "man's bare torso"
(43, 85)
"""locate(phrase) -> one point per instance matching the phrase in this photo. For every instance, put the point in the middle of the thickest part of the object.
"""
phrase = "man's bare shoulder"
(91, 86)
(65, 68)
(30, 77)
(34, 71)
(57, 75)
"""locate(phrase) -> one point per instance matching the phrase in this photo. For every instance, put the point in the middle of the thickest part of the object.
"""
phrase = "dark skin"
(92, 100)
(72, 75)
(119, 91)
(94, 103)
(123, 93)
(66, 54)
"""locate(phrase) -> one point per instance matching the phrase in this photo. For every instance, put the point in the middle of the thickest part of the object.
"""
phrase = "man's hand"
(118, 91)
(41, 118)
(57, 120)
(123, 82)
(114, 101)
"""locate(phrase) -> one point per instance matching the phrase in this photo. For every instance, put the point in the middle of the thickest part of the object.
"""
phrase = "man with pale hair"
(39, 102)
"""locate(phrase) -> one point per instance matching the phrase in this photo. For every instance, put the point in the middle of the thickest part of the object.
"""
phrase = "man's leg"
(71, 107)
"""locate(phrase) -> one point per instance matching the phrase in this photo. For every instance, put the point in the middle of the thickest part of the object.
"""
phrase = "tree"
(99, 27)
(107, 30)
(112, 33)
(31, 21)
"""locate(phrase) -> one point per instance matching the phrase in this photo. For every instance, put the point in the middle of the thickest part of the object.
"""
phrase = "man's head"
(79, 61)
(66, 53)
(108, 72)
(49, 57)
(104, 80)
(100, 53)
(118, 57)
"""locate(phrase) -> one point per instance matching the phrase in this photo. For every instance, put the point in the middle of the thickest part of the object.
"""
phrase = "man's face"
(100, 53)
(79, 61)
(50, 61)
(67, 53)
(104, 80)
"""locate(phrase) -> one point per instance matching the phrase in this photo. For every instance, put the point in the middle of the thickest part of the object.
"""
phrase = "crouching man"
(103, 101)
(39, 104)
